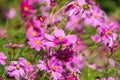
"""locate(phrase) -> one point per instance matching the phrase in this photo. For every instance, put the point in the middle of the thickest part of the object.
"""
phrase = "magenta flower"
(29, 25)
(15, 69)
(41, 21)
(14, 45)
(37, 43)
(2, 58)
(60, 38)
(55, 68)
(26, 8)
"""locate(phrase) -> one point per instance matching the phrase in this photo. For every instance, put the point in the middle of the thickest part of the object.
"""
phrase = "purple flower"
(37, 43)
(65, 55)
(60, 38)
(2, 58)
(14, 45)
(15, 69)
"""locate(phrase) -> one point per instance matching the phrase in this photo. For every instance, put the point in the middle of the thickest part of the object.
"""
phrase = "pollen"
(33, 33)
(17, 67)
(60, 38)
(26, 8)
(28, 63)
(81, 6)
(75, 3)
(37, 42)
(95, 16)
(54, 68)
(108, 32)
(14, 45)
(41, 19)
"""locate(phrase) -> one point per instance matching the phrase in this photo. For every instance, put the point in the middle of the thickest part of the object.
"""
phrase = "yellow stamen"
(108, 32)
(60, 38)
(75, 3)
(33, 33)
(26, 8)
(37, 42)
(41, 19)
(95, 16)
(81, 6)
(28, 63)
(54, 68)
(17, 67)
(14, 45)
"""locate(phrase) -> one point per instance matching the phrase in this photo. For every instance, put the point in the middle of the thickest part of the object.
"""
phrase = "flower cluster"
(54, 33)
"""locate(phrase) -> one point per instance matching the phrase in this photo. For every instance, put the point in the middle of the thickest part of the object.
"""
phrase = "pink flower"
(110, 78)
(2, 58)
(60, 38)
(3, 32)
(37, 43)
(76, 7)
(10, 14)
(28, 67)
(14, 45)
(108, 36)
(31, 33)
(42, 65)
(55, 68)
(96, 17)
(15, 69)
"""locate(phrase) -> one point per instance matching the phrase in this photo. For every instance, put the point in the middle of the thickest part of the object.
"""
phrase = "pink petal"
(49, 37)
(59, 32)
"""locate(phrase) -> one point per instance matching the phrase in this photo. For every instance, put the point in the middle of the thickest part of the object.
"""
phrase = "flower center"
(86, 7)
(108, 32)
(62, 56)
(81, 6)
(75, 3)
(14, 45)
(60, 38)
(37, 42)
(95, 16)
(33, 33)
(26, 8)
(41, 19)
(28, 63)
(17, 67)
(54, 68)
